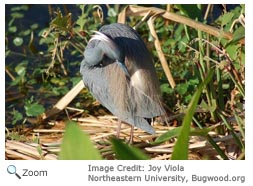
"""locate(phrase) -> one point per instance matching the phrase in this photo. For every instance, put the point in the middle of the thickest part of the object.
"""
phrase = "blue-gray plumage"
(118, 70)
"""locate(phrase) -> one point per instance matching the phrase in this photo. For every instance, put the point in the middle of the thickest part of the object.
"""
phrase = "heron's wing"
(145, 93)
(141, 123)
(145, 96)
(96, 79)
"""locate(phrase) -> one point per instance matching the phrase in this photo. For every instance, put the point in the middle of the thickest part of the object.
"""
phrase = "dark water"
(40, 90)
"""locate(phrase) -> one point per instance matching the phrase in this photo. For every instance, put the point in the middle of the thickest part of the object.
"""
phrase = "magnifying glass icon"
(11, 169)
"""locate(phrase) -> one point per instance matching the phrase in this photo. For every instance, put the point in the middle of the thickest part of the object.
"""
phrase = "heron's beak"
(124, 68)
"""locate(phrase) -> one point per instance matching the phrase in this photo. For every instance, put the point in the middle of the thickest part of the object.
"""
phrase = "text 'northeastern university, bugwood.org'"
(154, 173)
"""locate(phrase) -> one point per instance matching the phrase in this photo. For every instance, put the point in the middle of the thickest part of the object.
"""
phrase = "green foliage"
(190, 10)
(18, 41)
(61, 23)
(76, 145)
(180, 151)
(176, 131)
(227, 18)
(15, 136)
(33, 108)
(82, 19)
(17, 116)
(165, 88)
(126, 152)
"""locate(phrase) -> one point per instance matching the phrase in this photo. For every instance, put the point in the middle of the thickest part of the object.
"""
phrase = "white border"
(75, 172)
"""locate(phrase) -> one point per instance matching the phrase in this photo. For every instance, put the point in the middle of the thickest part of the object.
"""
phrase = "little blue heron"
(119, 72)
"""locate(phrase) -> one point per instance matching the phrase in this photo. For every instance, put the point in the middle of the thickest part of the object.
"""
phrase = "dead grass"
(101, 129)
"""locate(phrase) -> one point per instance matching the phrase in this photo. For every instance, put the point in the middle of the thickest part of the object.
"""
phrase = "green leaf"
(213, 106)
(12, 29)
(238, 34)
(180, 151)
(18, 41)
(201, 132)
(226, 18)
(62, 22)
(20, 70)
(176, 131)
(34, 109)
(207, 107)
(75, 80)
(243, 58)
(111, 12)
(168, 135)
(190, 10)
(194, 81)
(16, 81)
(127, 152)
(25, 32)
(82, 18)
(182, 88)
(34, 26)
(233, 50)
(243, 8)
(60, 90)
(39, 150)
(225, 86)
(19, 8)
(17, 116)
(165, 88)
(187, 98)
(76, 145)
(17, 15)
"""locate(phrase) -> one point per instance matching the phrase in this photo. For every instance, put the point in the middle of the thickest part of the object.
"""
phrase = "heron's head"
(111, 49)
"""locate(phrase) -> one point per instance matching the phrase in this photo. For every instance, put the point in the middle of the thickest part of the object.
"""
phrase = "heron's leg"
(131, 132)
(118, 129)
(131, 135)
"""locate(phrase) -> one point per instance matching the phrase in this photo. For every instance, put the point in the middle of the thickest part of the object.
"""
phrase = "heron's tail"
(141, 123)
